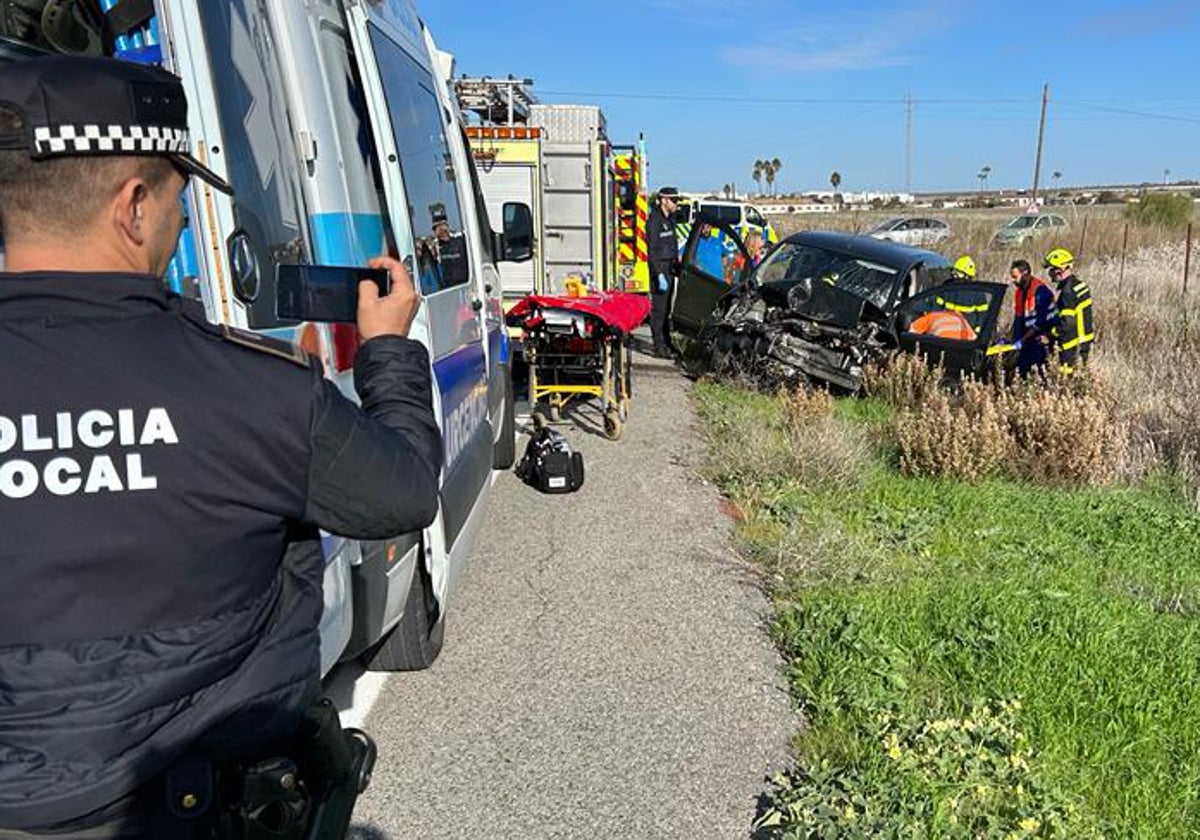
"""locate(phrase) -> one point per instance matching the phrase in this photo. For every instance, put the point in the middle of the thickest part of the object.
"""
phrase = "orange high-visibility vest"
(944, 324)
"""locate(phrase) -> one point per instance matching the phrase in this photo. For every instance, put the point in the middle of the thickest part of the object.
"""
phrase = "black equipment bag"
(548, 463)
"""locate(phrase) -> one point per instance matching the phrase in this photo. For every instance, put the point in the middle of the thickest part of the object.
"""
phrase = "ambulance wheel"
(414, 643)
(505, 453)
(612, 424)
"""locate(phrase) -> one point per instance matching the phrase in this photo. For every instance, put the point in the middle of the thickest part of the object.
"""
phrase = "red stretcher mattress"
(620, 310)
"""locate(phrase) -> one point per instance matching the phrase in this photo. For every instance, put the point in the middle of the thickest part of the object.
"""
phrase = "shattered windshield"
(884, 227)
(792, 262)
(1022, 222)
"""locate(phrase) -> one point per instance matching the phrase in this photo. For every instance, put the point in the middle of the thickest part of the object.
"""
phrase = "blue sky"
(715, 84)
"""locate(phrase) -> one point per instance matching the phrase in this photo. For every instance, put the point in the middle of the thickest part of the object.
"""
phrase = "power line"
(1130, 113)
(903, 102)
(766, 100)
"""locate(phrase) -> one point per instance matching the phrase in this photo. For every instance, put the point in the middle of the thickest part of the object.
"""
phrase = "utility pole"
(1037, 166)
(907, 150)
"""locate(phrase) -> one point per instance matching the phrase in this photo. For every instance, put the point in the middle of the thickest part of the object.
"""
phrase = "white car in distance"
(920, 232)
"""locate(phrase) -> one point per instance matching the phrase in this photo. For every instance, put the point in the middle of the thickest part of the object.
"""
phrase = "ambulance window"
(258, 153)
(426, 166)
(754, 217)
(357, 159)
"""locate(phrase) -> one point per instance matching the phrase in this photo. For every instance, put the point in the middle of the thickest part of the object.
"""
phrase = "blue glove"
(661, 285)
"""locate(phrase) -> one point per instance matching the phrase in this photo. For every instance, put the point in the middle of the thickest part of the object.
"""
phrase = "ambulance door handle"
(477, 304)
(487, 287)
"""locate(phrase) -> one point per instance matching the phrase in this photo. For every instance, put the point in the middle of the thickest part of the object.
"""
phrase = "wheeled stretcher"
(579, 348)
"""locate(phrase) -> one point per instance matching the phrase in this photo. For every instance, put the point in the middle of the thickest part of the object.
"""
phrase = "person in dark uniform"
(452, 253)
(663, 256)
(163, 480)
(1075, 331)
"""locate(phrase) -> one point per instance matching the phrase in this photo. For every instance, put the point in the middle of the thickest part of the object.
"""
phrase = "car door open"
(952, 325)
(709, 270)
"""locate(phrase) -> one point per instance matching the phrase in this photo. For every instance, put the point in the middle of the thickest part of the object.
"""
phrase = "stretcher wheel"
(612, 424)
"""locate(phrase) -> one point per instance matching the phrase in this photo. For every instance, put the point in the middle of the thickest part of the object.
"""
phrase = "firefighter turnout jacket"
(662, 245)
(162, 482)
(1074, 332)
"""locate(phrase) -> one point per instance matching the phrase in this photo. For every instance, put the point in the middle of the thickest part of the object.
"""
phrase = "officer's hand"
(392, 314)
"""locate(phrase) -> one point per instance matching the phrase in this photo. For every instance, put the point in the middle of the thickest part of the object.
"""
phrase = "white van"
(738, 215)
(333, 122)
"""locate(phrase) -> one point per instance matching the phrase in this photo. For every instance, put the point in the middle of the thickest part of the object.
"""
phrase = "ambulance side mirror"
(517, 239)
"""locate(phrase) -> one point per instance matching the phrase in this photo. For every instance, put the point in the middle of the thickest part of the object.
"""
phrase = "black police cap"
(75, 106)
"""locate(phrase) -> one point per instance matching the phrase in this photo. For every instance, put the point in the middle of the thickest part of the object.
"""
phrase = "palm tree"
(983, 176)
(835, 180)
(773, 169)
(1057, 176)
(757, 173)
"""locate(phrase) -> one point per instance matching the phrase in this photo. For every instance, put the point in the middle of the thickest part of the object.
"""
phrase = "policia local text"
(95, 429)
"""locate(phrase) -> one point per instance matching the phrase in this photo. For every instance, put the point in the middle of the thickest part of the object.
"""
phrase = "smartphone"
(323, 292)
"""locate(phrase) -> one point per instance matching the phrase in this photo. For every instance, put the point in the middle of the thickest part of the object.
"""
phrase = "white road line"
(355, 691)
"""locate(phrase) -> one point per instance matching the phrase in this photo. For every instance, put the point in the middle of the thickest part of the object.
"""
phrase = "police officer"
(663, 256)
(162, 480)
(452, 252)
(1074, 332)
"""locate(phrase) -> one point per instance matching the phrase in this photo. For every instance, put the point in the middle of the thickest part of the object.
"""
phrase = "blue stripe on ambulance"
(462, 383)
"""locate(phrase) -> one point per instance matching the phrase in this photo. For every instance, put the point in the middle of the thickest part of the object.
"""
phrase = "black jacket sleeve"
(374, 471)
(662, 245)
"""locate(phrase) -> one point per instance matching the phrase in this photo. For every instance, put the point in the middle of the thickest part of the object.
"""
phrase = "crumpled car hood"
(804, 331)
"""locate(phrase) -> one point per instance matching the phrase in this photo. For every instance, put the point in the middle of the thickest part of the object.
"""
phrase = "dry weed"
(904, 381)
(961, 435)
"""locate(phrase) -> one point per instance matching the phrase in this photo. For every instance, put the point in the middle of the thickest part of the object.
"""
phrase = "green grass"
(914, 601)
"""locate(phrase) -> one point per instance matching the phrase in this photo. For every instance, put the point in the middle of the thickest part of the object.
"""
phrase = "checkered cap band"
(110, 139)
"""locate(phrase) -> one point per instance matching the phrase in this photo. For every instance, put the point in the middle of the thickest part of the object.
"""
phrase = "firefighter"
(1074, 333)
(964, 268)
(663, 257)
(1033, 318)
(163, 481)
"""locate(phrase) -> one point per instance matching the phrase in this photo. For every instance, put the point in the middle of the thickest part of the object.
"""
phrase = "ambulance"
(333, 121)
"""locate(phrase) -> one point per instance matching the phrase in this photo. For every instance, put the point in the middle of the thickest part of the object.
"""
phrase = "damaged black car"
(821, 306)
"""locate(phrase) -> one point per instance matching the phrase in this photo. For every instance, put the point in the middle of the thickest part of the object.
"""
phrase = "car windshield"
(1022, 222)
(792, 262)
(884, 227)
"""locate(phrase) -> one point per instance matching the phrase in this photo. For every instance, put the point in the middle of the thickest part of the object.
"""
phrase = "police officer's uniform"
(663, 253)
(162, 481)
(452, 256)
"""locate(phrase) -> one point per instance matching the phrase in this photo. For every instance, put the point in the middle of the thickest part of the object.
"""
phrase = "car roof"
(868, 248)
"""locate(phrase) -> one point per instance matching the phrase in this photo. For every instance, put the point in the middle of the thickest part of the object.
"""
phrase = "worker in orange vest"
(1034, 318)
(944, 323)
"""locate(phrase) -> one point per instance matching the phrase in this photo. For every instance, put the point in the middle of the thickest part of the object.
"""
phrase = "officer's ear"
(130, 210)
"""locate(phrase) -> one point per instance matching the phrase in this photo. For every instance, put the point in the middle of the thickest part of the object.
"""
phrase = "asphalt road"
(606, 672)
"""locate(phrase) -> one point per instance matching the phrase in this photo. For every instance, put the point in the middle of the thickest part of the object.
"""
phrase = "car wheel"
(414, 643)
(505, 452)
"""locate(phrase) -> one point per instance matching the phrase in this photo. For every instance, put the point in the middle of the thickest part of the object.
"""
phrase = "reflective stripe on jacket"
(1074, 328)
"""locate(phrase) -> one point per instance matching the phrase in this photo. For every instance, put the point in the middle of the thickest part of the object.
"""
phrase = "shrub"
(1171, 210)
(904, 381)
(964, 435)
(1066, 432)
(1060, 430)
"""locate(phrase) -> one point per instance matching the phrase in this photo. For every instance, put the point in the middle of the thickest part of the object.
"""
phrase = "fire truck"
(588, 196)
(632, 208)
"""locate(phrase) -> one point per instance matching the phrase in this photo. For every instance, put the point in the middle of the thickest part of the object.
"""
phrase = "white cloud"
(893, 35)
